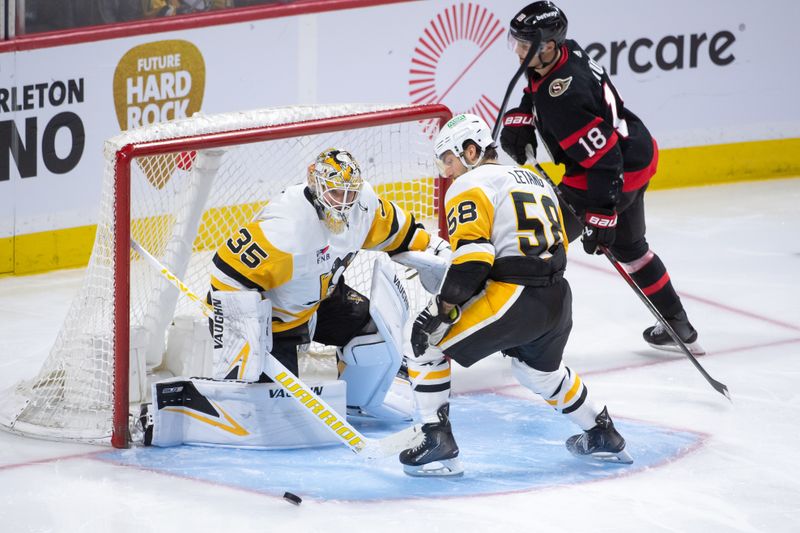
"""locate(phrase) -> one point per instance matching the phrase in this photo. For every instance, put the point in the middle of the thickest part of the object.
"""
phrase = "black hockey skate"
(603, 442)
(437, 454)
(657, 337)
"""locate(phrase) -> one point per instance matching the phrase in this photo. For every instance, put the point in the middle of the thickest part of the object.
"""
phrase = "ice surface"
(733, 253)
(509, 445)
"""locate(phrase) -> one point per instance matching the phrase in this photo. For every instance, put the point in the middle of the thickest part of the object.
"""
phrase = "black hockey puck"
(294, 499)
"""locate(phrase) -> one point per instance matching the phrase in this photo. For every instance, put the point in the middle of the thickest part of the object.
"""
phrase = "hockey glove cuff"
(518, 135)
(431, 325)
(599, 229)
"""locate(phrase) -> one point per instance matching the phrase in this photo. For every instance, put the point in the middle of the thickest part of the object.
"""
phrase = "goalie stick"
(296, 388)
(719, 387)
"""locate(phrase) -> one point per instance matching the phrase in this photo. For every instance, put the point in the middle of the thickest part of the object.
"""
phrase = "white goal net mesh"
(184, 204)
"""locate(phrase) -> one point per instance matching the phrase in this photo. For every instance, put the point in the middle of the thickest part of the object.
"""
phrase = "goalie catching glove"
(431, 325)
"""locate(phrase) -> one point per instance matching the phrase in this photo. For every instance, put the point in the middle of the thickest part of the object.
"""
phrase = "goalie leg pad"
(370, 374)
(241, 329)
(237, 414)
(373, 359)
(562, 389)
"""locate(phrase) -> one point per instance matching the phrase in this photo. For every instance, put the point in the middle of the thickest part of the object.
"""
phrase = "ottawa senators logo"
(559, 86)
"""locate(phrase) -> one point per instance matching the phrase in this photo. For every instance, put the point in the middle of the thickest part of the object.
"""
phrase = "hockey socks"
(562, 389)
(430, 383)
(652, 277)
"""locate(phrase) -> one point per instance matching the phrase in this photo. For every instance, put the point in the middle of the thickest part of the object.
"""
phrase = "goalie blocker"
(230, 411)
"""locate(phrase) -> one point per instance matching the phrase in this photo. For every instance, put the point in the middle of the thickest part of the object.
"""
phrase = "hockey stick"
(719, 387)
(512, 84)
(296, 388)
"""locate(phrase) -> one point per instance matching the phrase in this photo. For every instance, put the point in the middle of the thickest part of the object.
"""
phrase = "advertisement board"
(698, 74)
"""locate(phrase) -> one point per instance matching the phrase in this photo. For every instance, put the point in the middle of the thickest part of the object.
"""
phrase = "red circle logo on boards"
(448, 59)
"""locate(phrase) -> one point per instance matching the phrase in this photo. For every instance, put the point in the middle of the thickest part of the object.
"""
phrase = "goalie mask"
(335, 183)
(456, 132)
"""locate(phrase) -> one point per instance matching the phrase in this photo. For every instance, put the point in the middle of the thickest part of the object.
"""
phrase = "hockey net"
(180, 189)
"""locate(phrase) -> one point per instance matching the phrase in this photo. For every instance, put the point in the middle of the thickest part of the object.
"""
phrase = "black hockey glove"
(599, 230)
(431, 325)
(518, 133)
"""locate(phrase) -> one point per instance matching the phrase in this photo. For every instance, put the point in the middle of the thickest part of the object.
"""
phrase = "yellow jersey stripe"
(400, 236)
(251, 268)
(384, 221)
(473, 249)
(420, 240)
(473, 214)
(483, 257)
(303, 317)
(487, 307)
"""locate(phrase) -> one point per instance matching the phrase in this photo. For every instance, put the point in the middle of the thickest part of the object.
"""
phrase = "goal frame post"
(123, 159)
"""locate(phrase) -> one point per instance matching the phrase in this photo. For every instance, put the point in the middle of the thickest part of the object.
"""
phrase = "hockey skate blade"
(394, 443)
(621, 457)
(444, 468)
(694, 348)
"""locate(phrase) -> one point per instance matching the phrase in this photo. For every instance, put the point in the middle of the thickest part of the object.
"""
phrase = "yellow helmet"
(335, 182)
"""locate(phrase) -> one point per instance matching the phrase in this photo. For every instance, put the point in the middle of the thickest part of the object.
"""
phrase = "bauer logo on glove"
(518, 119)
(518, 137)
(599, 230)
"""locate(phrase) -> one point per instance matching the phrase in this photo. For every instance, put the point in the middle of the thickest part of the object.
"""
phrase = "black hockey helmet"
(538, 23)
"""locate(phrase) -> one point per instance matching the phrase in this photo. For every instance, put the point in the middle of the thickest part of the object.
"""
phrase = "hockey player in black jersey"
(608, 154)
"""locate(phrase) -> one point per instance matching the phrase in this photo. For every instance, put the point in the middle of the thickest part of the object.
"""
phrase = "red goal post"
(161, 185)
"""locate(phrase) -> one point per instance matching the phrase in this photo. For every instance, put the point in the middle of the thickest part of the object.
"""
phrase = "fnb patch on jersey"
(323, 254)
(559, 86)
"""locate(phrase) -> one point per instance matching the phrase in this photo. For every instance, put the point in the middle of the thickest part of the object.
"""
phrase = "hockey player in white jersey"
(278, 283)
(504, 292)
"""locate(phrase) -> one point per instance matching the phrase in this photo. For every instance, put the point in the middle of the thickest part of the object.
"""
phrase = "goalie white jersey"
(289, 255)
(498, 211)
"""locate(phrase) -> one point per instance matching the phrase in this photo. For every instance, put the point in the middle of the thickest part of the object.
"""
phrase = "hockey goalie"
(276, 285)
